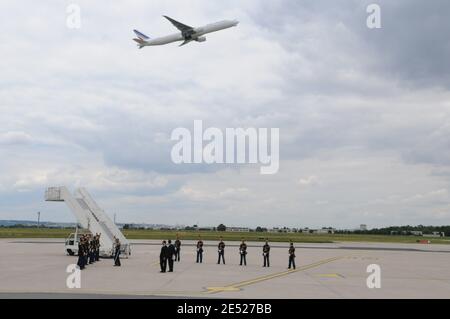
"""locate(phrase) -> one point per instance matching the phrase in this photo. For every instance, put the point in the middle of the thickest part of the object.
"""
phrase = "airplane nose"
(235, 22)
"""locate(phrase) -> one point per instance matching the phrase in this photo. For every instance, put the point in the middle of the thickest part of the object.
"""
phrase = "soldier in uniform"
(117, 253)
(177, 248)
(243, 253)
(85, 250)
(291, 256)
(97, 250)
(266, 252)
(221, 251)
(88, 248)
(171, 251)
(199, 250)
(92, 250)
(163, 257)
(80, 262)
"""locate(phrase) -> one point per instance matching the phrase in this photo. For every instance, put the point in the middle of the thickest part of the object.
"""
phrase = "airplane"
(187, 34)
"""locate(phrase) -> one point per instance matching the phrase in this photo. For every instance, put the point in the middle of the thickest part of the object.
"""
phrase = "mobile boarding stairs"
(91, 217)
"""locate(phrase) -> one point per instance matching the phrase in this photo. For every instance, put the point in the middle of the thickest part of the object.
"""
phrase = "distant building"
(282, 230)
(324, 231)
(238, 229)
(317, 231)
(435, 234)
(363, 227)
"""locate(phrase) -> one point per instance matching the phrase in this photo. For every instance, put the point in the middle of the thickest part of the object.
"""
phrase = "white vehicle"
(71, 245)
(186, 34)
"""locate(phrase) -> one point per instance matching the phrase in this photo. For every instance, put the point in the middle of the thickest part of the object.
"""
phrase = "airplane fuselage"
(196, 35)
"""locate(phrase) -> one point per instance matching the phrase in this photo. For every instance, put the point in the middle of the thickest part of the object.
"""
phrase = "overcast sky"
(364, 114)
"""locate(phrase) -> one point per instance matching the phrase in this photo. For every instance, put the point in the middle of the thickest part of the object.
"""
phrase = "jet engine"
(201, 39)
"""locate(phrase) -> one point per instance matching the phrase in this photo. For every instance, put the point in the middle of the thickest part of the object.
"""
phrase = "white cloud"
(14, 138)
(308, 181)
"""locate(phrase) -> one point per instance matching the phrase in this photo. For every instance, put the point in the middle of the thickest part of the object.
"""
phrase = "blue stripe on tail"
(141, 35)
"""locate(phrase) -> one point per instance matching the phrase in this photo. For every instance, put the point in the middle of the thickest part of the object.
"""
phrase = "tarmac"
(36, 268)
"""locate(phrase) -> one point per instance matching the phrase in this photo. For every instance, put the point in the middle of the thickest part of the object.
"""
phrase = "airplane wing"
(180, 26)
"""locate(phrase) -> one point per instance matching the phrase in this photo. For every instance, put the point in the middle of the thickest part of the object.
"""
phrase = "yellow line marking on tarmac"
(212, 290)
(237, 286)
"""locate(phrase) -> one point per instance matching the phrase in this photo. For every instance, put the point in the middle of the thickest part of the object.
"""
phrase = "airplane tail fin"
(140, 42)
(141, 39)
(140, 35)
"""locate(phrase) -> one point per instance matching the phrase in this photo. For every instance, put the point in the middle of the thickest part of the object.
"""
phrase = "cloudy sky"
(364, 114)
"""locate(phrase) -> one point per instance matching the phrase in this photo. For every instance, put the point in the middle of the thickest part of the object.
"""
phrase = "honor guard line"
(91, 217)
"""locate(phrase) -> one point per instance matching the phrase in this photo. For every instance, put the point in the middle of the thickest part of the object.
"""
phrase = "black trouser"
(199, 256)
(291, 262)
(170, 259)
(117, 259)
(243, 258)
(97, 255)
(163, 263)
(221, 254)
(80, 262)
(177, 254)
(91, 257)
(266, 260)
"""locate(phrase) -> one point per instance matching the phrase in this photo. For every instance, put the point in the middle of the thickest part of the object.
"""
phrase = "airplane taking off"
(187, 33)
